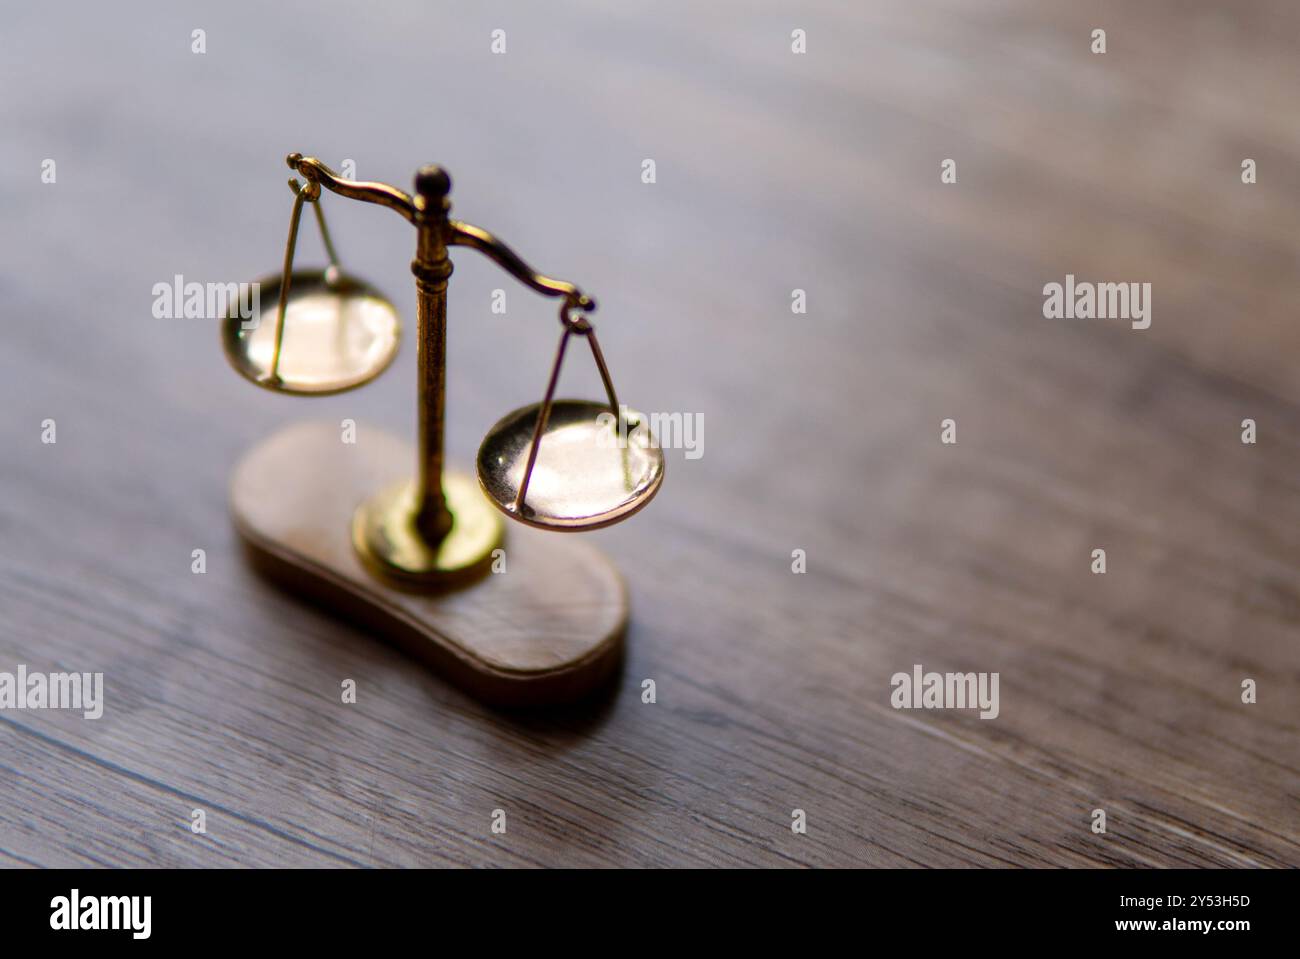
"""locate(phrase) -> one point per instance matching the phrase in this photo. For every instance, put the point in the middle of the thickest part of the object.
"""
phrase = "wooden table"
(774, 172)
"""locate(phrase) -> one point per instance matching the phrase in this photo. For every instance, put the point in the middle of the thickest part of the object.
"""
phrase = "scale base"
(547, 628)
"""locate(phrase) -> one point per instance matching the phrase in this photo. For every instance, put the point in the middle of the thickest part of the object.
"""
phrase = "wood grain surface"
(775, 172)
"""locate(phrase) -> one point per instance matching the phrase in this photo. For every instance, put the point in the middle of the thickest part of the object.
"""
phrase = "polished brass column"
(432, 268)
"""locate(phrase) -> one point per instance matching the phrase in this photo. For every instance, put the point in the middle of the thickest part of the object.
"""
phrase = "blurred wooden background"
(775, 171)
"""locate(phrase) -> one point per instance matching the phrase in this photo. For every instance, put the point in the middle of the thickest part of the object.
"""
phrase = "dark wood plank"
(775, 172)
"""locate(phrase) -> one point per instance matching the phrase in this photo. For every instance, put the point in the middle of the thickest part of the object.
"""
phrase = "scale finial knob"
(432, 182)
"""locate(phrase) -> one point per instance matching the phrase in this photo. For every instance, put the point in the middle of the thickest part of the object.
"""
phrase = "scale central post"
(432, 268)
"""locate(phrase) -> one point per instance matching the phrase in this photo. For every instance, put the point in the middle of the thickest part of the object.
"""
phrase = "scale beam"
(457, 233)
(312, 169)
(477, 238)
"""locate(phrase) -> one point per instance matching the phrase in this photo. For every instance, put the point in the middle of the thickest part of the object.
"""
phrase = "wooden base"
(548, 629)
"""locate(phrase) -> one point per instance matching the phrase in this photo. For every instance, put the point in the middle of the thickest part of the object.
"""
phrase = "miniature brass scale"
(410, 557)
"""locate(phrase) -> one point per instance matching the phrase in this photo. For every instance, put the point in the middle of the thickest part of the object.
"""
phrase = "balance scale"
(413, 558)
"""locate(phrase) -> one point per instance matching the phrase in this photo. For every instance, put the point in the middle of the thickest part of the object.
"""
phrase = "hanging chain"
(574, 323)
(302, 193)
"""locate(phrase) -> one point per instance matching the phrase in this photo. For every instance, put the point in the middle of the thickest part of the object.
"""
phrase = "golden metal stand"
(557, 465)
